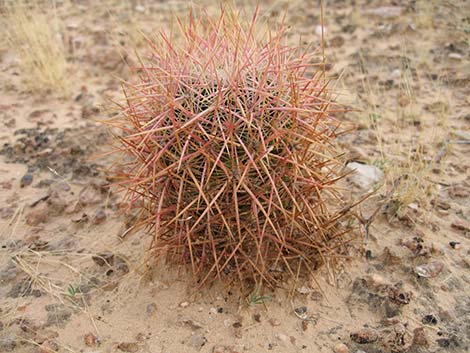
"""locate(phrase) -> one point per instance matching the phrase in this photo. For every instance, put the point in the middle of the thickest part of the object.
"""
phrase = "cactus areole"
(227, 152)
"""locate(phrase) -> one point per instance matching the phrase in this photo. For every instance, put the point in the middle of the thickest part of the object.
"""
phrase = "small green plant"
(72, 290)
(256, 298)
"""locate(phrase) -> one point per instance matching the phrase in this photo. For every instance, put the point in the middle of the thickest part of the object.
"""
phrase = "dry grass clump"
(35, 36)
(227, 151)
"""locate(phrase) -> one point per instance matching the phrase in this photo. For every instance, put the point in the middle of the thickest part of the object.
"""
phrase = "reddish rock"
(90, 339)
(274, 322)
(99, 216)
(129, 347)
(419, 337)
(39, 214)
(429, 270)
(461, 224)
(341, 348)
(365, 335)
(90, 195)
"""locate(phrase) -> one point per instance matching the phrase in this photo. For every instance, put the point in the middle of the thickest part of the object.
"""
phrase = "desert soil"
(70, 281)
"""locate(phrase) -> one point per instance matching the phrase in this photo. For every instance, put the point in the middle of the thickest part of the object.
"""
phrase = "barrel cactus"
(228, 154)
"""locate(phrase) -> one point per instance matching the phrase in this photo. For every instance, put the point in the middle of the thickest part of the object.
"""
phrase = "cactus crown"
(227, 144)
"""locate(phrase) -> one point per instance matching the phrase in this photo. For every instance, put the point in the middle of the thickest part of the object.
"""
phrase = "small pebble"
(365, 335)
(429, 270)
(90, 339)
(419, 337)
(274, 322)
(129, 347)
(26, 180)
(341, 348)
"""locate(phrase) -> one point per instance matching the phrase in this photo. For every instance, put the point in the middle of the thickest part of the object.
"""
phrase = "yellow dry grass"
(36, 38)
(407, 156)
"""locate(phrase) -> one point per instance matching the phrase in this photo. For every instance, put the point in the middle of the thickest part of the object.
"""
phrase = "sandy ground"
(70, 283)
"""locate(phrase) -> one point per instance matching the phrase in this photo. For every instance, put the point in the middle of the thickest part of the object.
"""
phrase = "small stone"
(48, 346)
(184, 304)
(395, 74)
(301, 310)
(80, 219)
(129, 347)
(151, 308)
(429, 319)
(443, 342)
(26, 180)
(458, 190)
(364, 175)
(399, 296)
(443, 205)
(8, 343)
(282, 337)
(455, 56)
(336, 41)
(45, 335)
(403, 101)
(377, 280)
(39, 214)
(274, 322)
(140, 8)
(223, 349)
(197, 341)
(90, 339)
(56, 203)
(104, 259)
(73, 207)
(419, 337)
(57, 315)
(341, 348)
(121, 265)
(429, 270)
(461, 224)
(320, 29)
(99, 216)
(454, 245)
(90, 195)
(304, 290)
(365, 335)
(386, 12)
(194, 325)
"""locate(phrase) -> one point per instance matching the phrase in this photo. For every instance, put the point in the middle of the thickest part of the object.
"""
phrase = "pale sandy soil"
(405, 71)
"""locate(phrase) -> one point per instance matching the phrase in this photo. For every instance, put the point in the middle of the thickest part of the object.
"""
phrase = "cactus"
(227, 152)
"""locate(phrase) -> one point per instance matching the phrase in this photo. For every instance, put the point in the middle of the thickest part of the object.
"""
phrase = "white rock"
(396, 74)
(341, 348)
(282, 338)
(364, 175)
(140, 8)
(385, 11)
(455, 56)
(304, 290)
(318, 30)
